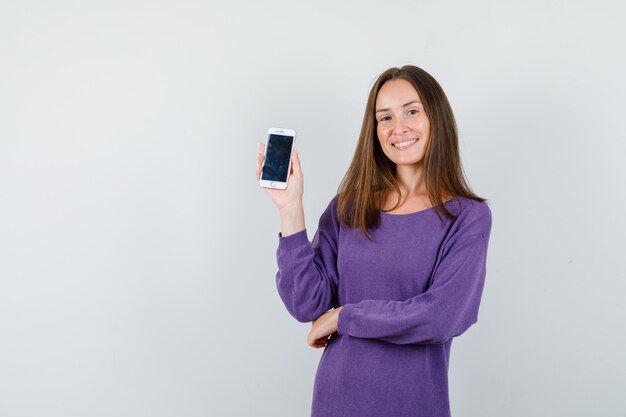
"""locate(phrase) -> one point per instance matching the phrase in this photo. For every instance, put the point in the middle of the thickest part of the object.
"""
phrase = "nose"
(399, 128)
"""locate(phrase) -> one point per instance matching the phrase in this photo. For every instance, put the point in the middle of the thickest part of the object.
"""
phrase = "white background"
(137, 252)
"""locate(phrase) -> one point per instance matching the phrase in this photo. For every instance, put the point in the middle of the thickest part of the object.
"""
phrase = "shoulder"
(329, 218)
(474, 209)
(331, 207)
(473, 217)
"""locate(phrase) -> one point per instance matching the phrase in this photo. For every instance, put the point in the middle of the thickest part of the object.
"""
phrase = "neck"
(410, 179)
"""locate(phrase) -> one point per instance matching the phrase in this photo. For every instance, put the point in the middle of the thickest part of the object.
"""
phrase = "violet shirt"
(405, 295)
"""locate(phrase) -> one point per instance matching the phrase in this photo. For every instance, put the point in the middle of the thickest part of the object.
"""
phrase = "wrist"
(292, 209)
(291, 218)
(338, 311)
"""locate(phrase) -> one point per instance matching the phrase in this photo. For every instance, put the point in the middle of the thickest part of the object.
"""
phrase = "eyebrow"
(404, 105)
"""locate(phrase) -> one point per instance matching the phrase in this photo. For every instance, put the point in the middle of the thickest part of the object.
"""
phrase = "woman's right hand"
(292, 195)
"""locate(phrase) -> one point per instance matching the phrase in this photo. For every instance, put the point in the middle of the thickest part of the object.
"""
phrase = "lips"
(404, 143)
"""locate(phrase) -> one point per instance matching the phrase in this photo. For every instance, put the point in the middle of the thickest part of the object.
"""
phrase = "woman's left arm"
(447, 308)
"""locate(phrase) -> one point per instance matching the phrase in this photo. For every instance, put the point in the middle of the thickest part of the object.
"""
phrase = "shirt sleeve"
(446, 309)
(307, 277)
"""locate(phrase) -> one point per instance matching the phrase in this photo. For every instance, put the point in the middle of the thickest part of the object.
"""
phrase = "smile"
(404, 145)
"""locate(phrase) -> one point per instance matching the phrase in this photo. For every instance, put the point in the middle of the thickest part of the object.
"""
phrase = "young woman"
(397, 265)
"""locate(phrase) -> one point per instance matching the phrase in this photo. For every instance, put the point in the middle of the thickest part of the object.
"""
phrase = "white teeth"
(403, 144)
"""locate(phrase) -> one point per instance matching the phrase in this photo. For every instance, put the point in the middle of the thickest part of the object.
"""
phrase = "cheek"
(424, 125)
(382, 132)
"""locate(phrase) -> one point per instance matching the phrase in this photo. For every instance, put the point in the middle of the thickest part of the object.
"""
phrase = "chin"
(407, 161)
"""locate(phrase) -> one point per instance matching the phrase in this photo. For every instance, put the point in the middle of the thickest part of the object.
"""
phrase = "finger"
(311, 341)
(297, 169)
(320, 344)
(317, 344)
(259, 165)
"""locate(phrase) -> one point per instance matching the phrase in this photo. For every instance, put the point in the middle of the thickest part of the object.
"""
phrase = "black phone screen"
(277, 155)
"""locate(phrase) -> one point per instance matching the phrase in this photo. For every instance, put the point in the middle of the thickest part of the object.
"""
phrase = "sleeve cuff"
(345, 319)
(293, 241)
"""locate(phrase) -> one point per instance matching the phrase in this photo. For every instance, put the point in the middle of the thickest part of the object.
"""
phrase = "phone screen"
(277, 155)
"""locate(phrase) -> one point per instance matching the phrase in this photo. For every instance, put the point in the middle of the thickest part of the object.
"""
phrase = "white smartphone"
(277, 162)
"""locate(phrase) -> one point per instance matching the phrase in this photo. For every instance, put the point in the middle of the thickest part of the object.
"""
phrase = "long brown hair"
(371, 175)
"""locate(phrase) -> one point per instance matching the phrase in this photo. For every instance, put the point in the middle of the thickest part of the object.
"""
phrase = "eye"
(384, 118)
(414, 110)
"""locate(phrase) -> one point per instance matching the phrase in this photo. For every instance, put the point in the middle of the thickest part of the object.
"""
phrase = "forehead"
(395, 93)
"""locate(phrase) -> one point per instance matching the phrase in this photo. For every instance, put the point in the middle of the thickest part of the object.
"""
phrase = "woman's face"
(401, 120)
